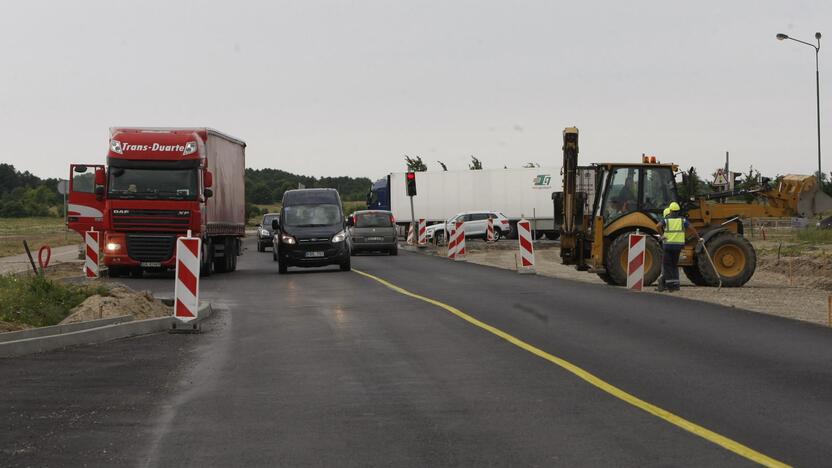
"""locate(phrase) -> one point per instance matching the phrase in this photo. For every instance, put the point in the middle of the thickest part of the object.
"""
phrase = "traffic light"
(411, 184)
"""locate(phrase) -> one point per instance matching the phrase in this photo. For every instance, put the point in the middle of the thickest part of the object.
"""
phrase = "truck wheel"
(695, 276)
(734, 258)
(616, 260)
(223, 264)
(282, 268)
(234, 255)
(136, 273)
(207, 266)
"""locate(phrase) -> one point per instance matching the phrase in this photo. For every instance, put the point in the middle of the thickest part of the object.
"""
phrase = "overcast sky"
(347, 88)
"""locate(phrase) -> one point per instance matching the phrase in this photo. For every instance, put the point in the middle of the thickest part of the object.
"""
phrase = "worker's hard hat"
(674, 207)
(666, 212)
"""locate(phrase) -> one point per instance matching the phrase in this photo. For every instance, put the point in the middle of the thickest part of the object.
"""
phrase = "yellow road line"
(596, 381)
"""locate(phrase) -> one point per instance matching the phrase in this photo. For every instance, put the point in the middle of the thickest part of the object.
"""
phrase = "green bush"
(39, 302)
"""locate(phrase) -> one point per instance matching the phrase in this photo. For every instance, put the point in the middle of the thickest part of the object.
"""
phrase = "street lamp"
(781, 37)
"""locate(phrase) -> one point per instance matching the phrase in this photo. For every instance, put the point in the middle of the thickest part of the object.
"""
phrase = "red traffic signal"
(411, 184)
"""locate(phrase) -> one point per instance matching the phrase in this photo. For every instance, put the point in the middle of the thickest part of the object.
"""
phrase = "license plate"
(375, 239)
(151, 264)
(314, 254)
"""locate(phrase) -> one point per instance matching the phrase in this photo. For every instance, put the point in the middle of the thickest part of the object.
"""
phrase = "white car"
(475, 224)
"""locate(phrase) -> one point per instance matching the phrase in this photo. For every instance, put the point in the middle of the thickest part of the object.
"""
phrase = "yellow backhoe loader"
(604, 202)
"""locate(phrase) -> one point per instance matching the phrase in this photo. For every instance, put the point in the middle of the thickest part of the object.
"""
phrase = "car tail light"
(392, 219)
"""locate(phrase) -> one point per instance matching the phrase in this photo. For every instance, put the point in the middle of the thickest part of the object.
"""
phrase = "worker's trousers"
(670, 265)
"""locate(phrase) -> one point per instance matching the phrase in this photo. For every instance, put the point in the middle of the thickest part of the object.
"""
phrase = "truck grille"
(150, 248)
(151, 220)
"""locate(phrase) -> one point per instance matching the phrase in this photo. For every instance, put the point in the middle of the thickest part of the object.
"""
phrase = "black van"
(311, 230)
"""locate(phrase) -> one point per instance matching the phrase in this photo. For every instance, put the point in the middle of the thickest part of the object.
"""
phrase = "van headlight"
(287, 239)
(340, 237)
(264, 233)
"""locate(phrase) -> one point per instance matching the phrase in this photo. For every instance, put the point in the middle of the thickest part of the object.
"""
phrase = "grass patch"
(815, 236)
(36, 231)
(39, 302)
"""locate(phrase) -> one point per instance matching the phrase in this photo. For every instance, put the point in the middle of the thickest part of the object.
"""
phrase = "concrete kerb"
(100, 334)
(61, 329)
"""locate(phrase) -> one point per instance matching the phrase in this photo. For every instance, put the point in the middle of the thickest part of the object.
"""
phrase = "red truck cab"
(158, 184)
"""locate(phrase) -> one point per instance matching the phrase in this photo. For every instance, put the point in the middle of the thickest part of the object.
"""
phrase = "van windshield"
(312, 215)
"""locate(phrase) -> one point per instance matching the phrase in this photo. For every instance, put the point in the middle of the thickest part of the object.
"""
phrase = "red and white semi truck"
(158, 184)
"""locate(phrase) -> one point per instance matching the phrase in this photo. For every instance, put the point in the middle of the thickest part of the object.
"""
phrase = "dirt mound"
(10, 327)
(121, 301)
(815, 272)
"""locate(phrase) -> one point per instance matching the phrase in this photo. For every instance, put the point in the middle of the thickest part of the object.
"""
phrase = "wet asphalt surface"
(327, 368)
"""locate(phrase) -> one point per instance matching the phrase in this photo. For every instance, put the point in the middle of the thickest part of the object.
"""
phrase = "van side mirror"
(275, 224)
(350, 221)
(208, 193)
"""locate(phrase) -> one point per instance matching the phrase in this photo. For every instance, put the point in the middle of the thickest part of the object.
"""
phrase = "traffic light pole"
(412, 213)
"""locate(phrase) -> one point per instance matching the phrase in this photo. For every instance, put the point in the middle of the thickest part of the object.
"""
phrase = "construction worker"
(672, 228)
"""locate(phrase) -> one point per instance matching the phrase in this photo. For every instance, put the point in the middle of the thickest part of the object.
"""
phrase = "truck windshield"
(312, 215)
(153, 184)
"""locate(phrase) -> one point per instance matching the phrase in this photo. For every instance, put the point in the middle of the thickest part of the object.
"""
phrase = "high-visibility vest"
(674, 231)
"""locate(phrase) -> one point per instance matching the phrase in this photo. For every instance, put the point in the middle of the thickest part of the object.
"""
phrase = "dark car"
(311, 230)
(265, 232)
(373, 231)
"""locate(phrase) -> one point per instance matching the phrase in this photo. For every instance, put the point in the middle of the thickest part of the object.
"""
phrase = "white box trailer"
(517, 193)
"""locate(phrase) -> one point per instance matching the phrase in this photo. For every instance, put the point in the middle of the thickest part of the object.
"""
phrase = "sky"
(329, 88)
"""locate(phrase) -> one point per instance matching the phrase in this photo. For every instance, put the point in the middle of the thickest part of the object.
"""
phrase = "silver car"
(373, 231)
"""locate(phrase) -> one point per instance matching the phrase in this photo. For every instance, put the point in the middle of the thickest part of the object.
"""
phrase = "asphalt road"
(322, 367)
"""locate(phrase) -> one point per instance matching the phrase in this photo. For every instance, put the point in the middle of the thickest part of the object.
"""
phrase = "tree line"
(23, 194)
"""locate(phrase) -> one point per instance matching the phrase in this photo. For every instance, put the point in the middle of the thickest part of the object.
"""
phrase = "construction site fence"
(775, 228)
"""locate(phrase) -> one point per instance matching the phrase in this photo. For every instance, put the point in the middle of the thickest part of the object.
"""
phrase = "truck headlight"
(115, 147)
(112, 247)
(287, 239)
(190, 148)
(340, 237)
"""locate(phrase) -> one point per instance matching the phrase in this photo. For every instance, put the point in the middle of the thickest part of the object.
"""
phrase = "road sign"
(63, 187)
(719, 178)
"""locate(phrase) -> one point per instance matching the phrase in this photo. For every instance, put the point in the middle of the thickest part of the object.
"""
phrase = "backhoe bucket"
(810, 199)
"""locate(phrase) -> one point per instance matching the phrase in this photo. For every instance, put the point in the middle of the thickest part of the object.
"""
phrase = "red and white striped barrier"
(460, 241)
(635, 261)
(524, 237)
(489, 237)
(186, 290)
(91, 238)
(411, 234)
(423, 233)
(451, 235)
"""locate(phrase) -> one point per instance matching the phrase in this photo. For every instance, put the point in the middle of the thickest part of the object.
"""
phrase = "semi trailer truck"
(517, 193)
(158, 184)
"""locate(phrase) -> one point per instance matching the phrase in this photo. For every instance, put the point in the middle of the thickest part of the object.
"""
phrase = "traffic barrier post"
(91, 238)
(451, 236)
(524, 238)
(186, 289)
(460, 241)
(490, 231)
(411, 234)
(635, 261)
(423, 230)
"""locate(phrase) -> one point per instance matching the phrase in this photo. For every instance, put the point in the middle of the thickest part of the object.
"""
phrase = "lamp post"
(781, 37)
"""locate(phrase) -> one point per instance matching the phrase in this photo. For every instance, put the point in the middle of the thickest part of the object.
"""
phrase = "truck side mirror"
(209, 179)
(208, 193)
(275, 225)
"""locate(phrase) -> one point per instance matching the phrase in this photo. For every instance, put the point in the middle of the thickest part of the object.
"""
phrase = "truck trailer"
(517, 193)
(157, 185)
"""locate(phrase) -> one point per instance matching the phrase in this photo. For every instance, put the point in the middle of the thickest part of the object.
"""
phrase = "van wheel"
(261, 247)
(345, 266)
(282, 268)
(395, 250)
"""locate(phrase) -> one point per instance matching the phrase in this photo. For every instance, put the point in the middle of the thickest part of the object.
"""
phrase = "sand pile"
(805, 271)
(121, 301)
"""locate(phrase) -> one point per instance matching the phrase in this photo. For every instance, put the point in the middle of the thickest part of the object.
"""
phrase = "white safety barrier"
(490, 232)
(451, 235)
(524, 237)
(186, 289)
(91, 238)
(635, 261)
(460, 241)
(423, 233)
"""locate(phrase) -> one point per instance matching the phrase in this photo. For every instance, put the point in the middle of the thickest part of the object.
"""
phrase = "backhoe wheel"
(734, 258)
(695, 276)
(617, 260)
